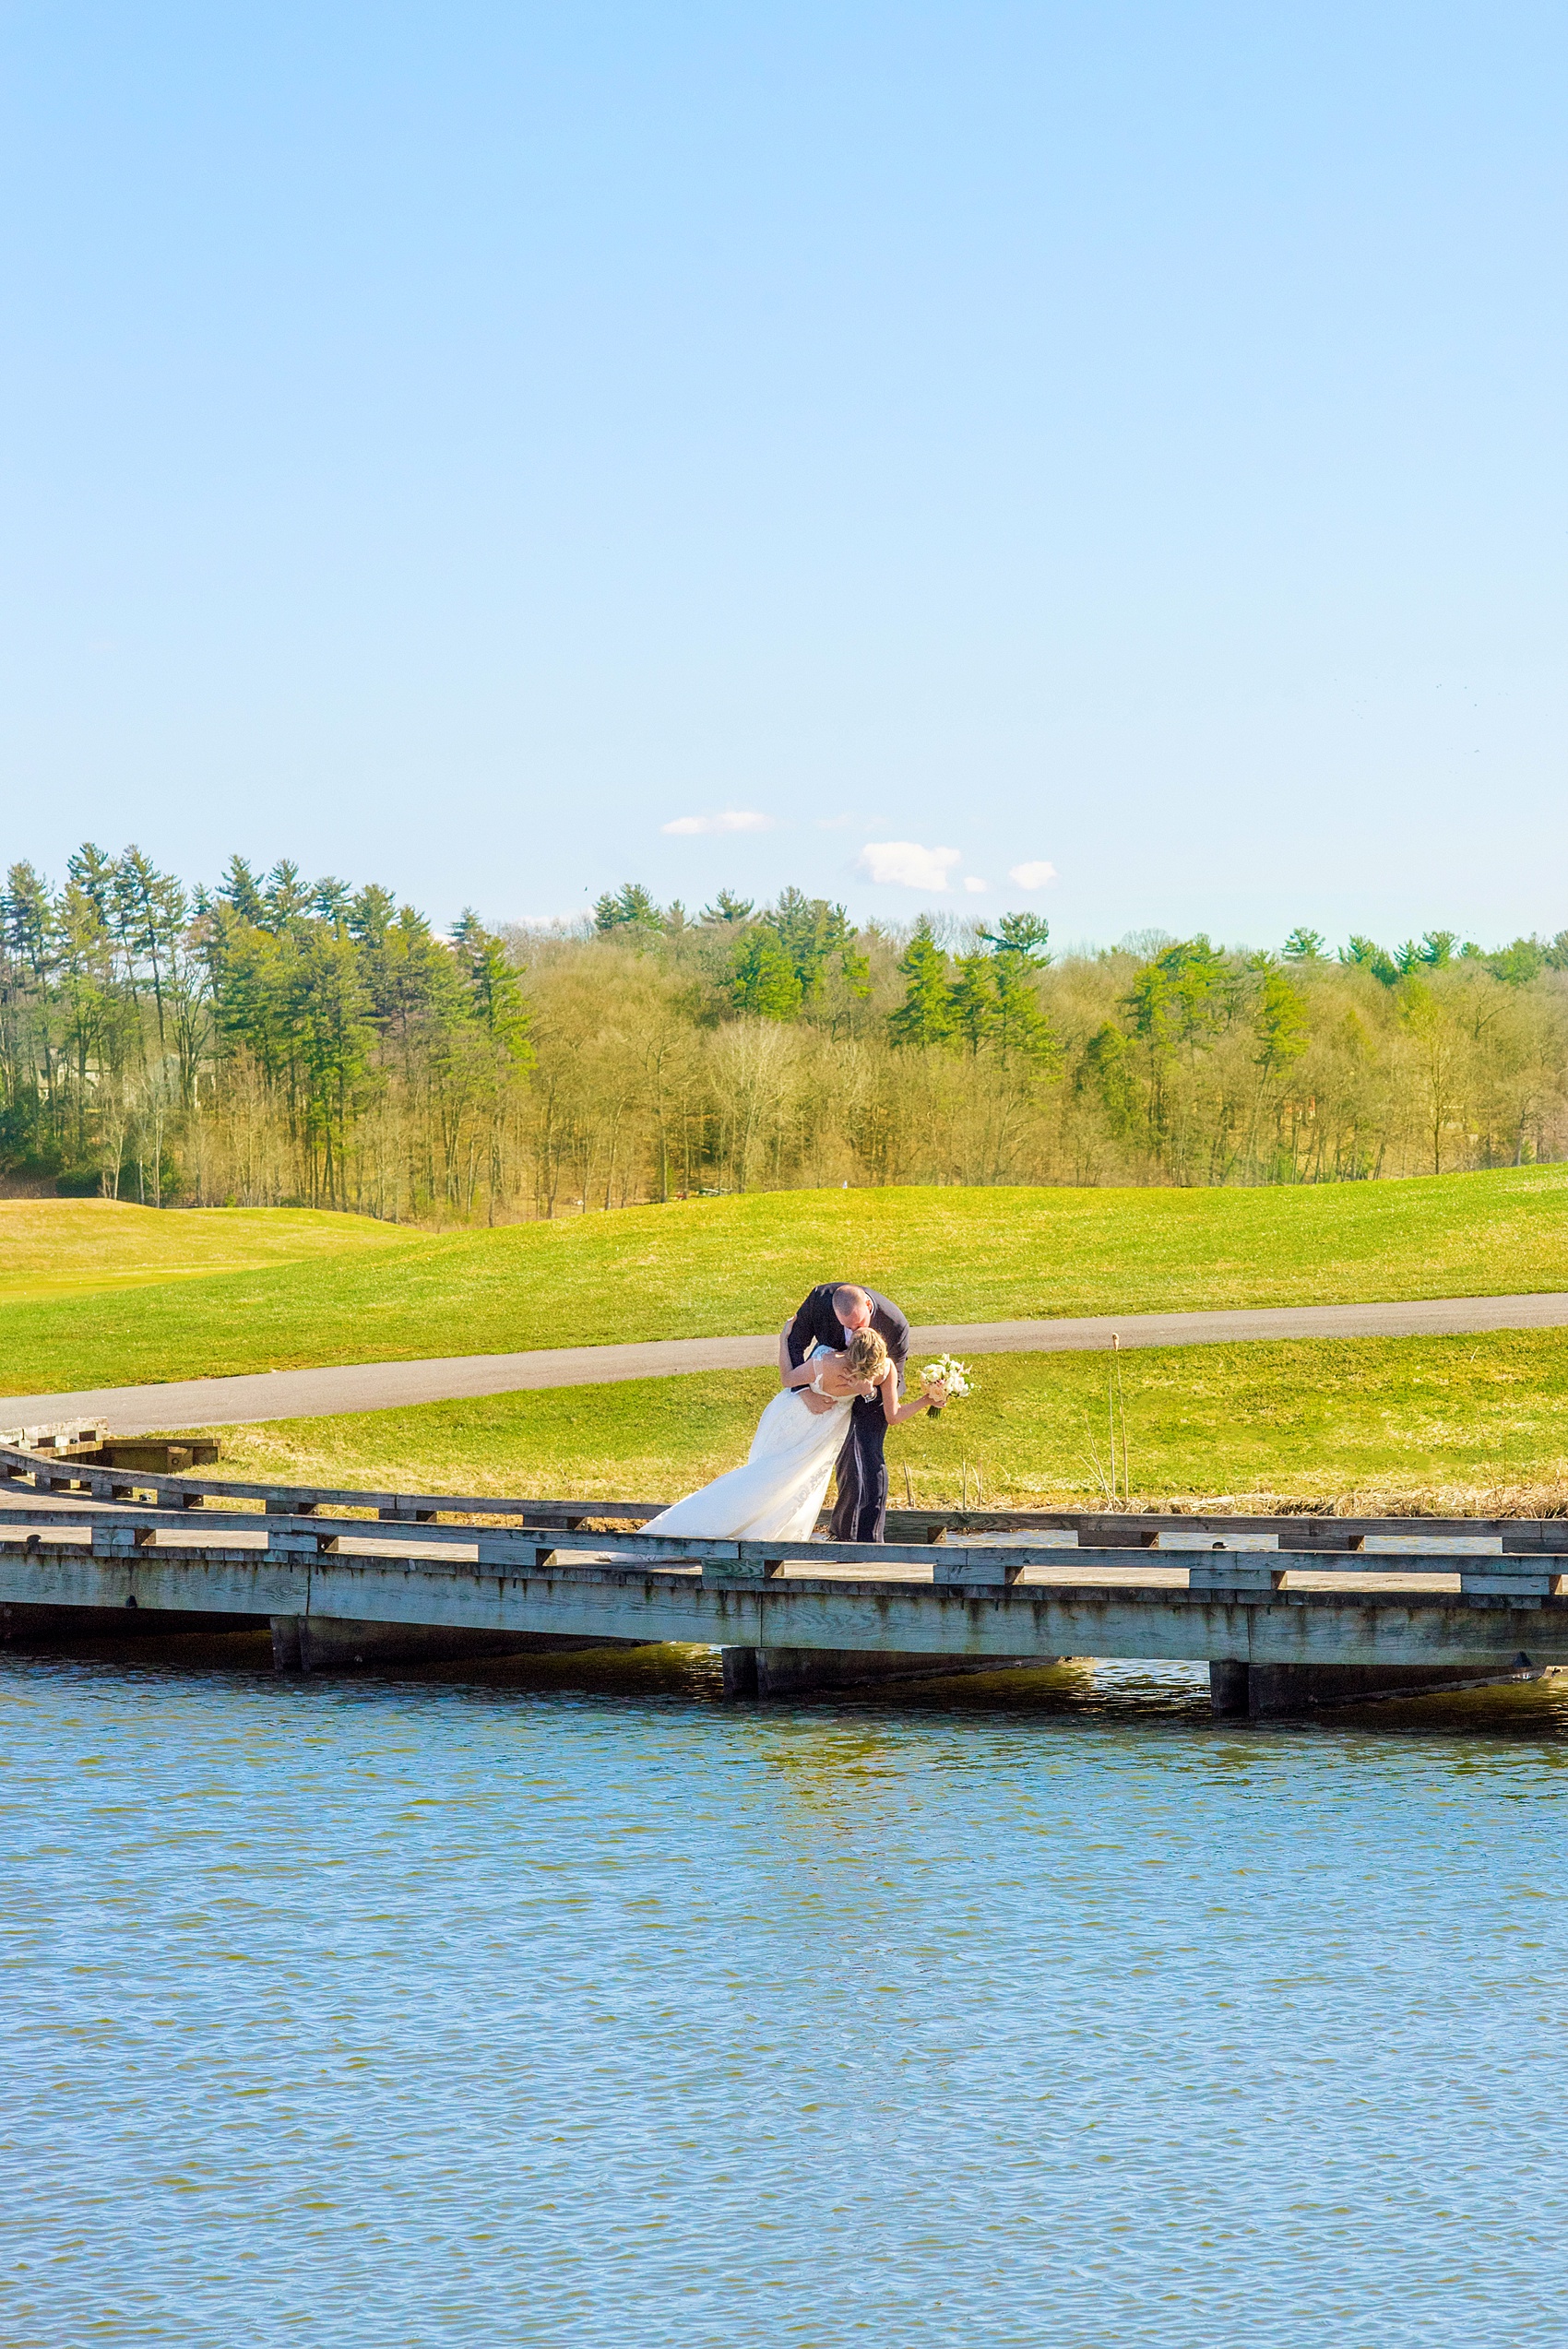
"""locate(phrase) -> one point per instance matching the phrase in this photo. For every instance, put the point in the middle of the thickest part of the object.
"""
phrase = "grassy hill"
(1471, 1423)
(55, 1248)
(92, 1301)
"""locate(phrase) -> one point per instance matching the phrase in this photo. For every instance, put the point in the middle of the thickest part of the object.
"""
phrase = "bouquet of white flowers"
(948, 1373)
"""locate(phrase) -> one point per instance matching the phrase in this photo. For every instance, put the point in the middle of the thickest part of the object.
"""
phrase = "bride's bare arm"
(788, 1373)
(895, 1413)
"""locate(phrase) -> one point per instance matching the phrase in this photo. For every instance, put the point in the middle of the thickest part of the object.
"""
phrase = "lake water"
(569, 2005)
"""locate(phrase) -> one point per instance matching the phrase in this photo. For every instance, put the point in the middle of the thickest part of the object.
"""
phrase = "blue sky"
(455, 444)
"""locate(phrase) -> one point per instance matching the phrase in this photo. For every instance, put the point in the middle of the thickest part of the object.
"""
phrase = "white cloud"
(975, 887)
(904, 864)
(1031, 876)
(732, 820)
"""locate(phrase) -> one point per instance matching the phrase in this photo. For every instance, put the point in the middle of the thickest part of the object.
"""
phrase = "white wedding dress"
(783, 1483)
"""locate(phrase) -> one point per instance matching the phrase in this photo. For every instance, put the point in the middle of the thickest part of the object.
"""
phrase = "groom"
(830, 1316)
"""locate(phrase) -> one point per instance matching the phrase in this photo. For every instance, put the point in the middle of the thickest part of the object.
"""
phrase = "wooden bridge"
(1287, 1611)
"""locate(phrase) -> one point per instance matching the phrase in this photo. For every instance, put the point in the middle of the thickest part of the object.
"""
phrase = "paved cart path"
(383, 1387)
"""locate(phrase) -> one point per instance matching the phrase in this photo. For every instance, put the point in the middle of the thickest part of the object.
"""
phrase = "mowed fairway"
(1471, 1423)
(56, 1248)
(372, 1292)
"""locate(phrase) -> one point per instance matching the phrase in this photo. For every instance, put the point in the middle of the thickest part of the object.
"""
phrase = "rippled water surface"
(584, 2009)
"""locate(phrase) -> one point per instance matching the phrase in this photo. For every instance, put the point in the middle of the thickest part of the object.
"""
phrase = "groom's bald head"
(852, 1307)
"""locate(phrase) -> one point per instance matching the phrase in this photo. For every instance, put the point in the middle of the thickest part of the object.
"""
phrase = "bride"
(784, 1481)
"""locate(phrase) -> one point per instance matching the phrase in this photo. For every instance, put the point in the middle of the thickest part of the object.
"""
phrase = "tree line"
(274, 1039)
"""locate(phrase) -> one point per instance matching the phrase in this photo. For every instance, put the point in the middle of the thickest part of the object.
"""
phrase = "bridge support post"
(286, 1655)
(792, 1671)
(740, 1670)
(1281, 1692)
(1231, 1690)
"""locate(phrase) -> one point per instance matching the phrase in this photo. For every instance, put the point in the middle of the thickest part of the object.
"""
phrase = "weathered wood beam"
(640, 1600)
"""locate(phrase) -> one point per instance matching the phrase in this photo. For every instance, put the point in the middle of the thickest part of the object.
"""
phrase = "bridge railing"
(43, 1533)
(56, 1472)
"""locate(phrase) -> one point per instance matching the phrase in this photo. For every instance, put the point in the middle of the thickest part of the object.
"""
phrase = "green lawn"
(721, 1265)
(1459, 1422)
(55, 1248)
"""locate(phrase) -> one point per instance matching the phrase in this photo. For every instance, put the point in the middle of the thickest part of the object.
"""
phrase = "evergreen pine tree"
(1021, 933)
(925, 1016)
(628, 907)
(762, 977)
(1021, 1031)
(971, 1001)
(495, 992)
(1305, 946)
(728, 908)
(93, 873)
(1106, 1067)
(241, 889)
(808, 930)
(288, 898)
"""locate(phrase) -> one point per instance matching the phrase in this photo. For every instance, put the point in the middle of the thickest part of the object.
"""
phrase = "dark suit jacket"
(816, 1323)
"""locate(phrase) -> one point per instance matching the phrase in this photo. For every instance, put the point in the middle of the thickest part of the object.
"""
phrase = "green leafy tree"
(149, 910)
(240, 890)
(925, 1016)
(30, 920)
(496, 1006)
(728, 909)
(1518, 965)
(971, 1002)
(1178, 1001)
(328, 1013)
(280, 1041)
(93, 874)
(1021, 1033)
(1107, 1071)
(763, 981)
(1024, 934)
(854, 968)
(414, 981)
(287, 896)
(1367, 954)
(86, 965)
(1180, 997)
(1282, 1022)
(1435, 951)
(372, 912)
(244, 963)
(628, 907)
(495, 990)
(811, 931)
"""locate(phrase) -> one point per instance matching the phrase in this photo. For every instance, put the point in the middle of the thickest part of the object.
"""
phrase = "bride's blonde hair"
(867, 1356)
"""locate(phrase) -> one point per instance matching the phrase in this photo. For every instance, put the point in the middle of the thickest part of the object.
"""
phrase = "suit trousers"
(860, 1513)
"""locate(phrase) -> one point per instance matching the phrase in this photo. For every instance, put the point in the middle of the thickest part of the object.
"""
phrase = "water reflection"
(559, 2001)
